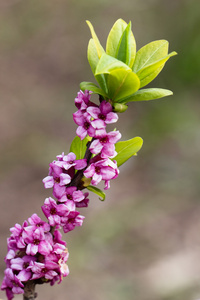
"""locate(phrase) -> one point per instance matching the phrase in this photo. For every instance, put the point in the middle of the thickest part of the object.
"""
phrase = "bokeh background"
(143, 242)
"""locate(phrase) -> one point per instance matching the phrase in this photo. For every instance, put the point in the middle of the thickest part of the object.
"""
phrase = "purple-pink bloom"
(69, 160)
(84, 202)
(22, 265)
(46, 270)
(104, 169)
(72, 194)
(82, 101)
(71, 221)
(103, 112)
(57, 238)
(87, 125)
(54, 211)
(84, 125)
(10, 255)
(16, 240)
(11, 284)
(34, 220)
(105, 144)
(37, 241)
(57, 175)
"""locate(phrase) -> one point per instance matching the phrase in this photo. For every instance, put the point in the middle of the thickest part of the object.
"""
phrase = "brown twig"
(29, 290)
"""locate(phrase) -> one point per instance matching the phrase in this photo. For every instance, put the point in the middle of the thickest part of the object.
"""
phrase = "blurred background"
(143, 242)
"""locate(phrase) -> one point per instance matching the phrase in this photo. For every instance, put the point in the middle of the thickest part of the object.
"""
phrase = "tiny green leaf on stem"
(119, 107)
(78, 147)
(97, 191)
(126, 149)
(147, 94)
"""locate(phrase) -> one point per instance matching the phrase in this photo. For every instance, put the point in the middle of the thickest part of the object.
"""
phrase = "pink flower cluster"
(92, 120)
(35, 249)
(34, 253)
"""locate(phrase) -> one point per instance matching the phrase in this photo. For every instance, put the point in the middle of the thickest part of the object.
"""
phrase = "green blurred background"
(143, 242)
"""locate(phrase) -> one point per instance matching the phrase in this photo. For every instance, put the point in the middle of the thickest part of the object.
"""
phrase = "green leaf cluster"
(120, 71)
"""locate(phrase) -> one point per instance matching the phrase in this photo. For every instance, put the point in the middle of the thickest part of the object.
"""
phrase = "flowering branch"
(36, 252)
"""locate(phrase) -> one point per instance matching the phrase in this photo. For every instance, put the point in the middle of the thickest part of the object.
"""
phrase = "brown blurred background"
(143, 242)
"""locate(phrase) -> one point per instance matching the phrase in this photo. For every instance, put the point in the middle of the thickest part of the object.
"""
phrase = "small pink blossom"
(71, 221)
(104, 169)
(54, 211)
(72, 194)
(105, 144)
(82, 101)
(11, 284)
(103, 112)
(37, 241)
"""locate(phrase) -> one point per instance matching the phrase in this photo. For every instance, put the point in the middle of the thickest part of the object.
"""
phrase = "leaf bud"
(119, 107)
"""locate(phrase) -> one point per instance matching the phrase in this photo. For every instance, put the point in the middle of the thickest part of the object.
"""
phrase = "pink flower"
(58, 238)
(37, 241)
(105, 144)
(54, 211)
(56, 176)
(84, 125)
(103, 112)
(71, 221)
(72, 194)
(46, 270)
(16, 240)
(104, 169)
(22, 265)
(82, 101)
(84, 202)
(87, 125)
(34, 220)
(11, 284)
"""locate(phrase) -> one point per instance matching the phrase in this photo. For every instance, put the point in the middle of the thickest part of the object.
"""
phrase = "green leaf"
(93, 59)
(78, 147)
(92, 87)
(147, 74)
(122, 83)
(95, 50)
(127, 47)
(92, 55)
(108, 63)
(114, 37)
(149, 54)
(121, 42)
(127, 149)
(147, 94)
(150, 60)
(98, 46)
(101, 79)
(97, 191)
